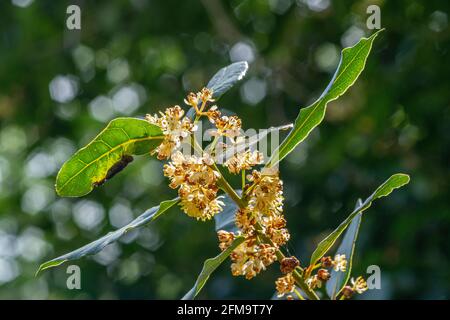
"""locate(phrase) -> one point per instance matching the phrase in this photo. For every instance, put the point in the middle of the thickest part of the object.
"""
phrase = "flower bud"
(326, 262)
(288, 265)
(347, 291)
(323, 274)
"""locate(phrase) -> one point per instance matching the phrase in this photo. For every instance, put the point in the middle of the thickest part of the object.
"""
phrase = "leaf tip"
(48, 264)
(402, 178)
(244, 71)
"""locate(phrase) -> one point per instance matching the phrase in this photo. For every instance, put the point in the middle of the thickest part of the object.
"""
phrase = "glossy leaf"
(227, 77)
(223, 80)
(252, 141)
(90, 165)
(209, 266)
(396, 181)
(338, 279)
(351, 65)
(225, 219)
(97, 245)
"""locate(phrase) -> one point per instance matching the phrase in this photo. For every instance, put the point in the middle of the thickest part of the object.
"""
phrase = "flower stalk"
(300, 281)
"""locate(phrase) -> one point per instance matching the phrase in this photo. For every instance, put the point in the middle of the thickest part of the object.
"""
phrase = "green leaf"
(351, 65)
(223, 80)
(338, 279)
(225, 219)
(227, 77)
(396, 181)
(250, 142)
(90, 165)
(209, 266)
(97, 245)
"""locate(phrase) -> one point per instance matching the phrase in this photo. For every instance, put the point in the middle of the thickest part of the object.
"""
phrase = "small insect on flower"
(115, 169)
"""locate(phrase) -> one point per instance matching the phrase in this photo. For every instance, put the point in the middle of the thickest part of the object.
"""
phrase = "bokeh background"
(58, 88)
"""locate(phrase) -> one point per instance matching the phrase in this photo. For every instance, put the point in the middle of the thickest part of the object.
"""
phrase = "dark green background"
(396, 118)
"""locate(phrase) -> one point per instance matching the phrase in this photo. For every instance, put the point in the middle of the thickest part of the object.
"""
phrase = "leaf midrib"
(320, 100)
(107, 153)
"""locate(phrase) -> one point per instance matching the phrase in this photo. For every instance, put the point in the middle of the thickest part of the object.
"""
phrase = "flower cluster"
(196, 181)
(199, 99)
(227, 126)
(359, 286)
(250, 258)
(174, 127)
(194, 176)
(285, 285)
(339, 263)
(262, 219)
(243, 161)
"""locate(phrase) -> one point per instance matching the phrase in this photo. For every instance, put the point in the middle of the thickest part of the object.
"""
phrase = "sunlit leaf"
(223, 80)
(226, 77)
(97, 245)
(89, 166)
(338, 279)
(251, 141)
(351, 65)
(396, 181)
(209, 266)
(225, 219)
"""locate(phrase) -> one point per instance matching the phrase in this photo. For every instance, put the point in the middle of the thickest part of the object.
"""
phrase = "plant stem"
(225, 186)
(299, 294)
(242, 203)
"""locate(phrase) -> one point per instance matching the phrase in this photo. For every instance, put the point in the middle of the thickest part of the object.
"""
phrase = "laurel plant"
(250, 223)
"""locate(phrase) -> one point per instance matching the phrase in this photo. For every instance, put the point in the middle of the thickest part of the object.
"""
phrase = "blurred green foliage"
(58, 88)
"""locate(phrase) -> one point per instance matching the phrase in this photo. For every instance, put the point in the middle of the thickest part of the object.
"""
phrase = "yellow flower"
(265, 209)
(199, 202)
(314, 282)
(285, 285)
(243, 161)
(175, 128)
(245, 221)
(267, 195)
(359, 285)
(251, 258)
(227, 126)
(225, 238)
(339, 263)
(196, 180)
(194, 99)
